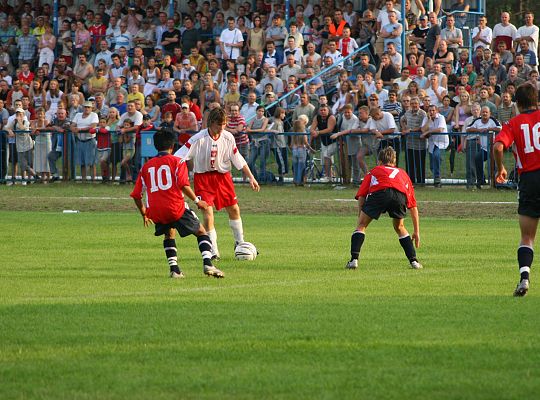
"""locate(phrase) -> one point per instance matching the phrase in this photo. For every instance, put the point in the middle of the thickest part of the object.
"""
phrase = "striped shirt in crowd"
(234, 123)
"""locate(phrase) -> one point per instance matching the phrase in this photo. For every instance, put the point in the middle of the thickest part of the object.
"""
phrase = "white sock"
(237, 229)
(213, 237)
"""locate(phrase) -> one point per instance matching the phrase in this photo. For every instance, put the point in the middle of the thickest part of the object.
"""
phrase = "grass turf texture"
(87, 310)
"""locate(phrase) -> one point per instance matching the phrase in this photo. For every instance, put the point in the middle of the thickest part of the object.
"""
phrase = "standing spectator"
(519, 132)
(299, 149)
(432, 126)
(256, 36)
(391, 32)
(453, 36)
(482, 34)
(18, 127)
(419, 34)
(82, 37)
(81, 125)
(47, 45)
(236, 125)
(504, 32)
(123, 38)
(383, 20)
(185, 124)
(42, 145)
(348, 123)
(259, 146)
(276, 33)
(59, 125)
(103, 148)
(433, 36)
(411, 125)
(212, 151)
(190, 36)
(529, 32)
(231, 41)
(323, 126)
(27, 45)
(387, 72)
(529, 56)
(476, 144)
(170, 38)
(507, 109)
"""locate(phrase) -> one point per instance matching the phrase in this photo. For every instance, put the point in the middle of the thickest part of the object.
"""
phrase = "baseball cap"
(185, 105)
(88, 104)
(186, 61)
(423, 17)
(146, 117)
(19, 110)
(92, 98)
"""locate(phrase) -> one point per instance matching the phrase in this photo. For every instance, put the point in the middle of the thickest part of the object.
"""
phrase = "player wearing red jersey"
(165, 180)
(386, 188)
(212, 151)
(523, 131)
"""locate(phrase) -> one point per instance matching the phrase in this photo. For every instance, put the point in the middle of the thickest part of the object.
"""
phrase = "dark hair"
(164, 140)
(526, 97)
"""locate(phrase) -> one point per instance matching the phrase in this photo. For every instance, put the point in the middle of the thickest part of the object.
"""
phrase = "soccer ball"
(245, 251)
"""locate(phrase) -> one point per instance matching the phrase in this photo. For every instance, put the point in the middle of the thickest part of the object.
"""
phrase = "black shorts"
(387, 200)
(116, 153)
(188, 224)
(13, 159)
(529, 194)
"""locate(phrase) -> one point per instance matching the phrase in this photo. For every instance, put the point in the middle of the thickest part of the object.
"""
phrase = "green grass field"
(87, 310)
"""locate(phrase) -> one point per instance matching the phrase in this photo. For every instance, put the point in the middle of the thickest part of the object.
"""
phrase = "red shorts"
(215, 188)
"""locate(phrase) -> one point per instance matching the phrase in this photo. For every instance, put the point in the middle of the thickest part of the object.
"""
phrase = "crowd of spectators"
(117, 69)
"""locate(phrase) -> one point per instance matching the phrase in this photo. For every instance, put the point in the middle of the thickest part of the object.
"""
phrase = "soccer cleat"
(210, 270)
(176, 275)
(353, 264)
(522, 288)
(416, 265)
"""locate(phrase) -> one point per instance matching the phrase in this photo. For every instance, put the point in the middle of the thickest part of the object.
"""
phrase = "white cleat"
(522, 288)
(416, 265)
(353, 264)
(210, 270)
(176, 275)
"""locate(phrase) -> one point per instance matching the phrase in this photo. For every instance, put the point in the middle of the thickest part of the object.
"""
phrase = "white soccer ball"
(245, 251)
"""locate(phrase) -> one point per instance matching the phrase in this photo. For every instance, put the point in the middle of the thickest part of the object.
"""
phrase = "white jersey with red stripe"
(210, 154)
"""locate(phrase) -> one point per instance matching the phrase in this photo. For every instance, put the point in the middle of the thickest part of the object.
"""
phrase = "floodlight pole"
(171, 8)
(55, 17)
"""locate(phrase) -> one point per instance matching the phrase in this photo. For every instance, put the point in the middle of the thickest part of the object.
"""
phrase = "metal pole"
(171, 8)
(403, 35)
(55, 18)
(287, 4)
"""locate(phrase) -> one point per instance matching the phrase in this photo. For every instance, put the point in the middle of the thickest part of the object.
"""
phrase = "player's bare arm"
(142, 209)
(188, 192)
(252, 181)
(498, 155)
(416, 226)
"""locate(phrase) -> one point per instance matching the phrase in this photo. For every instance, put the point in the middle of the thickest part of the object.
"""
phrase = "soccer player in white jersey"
(212, 151)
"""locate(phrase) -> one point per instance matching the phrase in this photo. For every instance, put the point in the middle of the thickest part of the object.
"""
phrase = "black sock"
(357, 239)
(205, 247)
(408, 248)
(525, 257)
(170, 251)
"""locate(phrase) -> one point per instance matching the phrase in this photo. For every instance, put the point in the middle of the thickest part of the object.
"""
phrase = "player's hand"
(202, 205)
(501, 176)
(147, 221)
(254, 185)
(416, 238)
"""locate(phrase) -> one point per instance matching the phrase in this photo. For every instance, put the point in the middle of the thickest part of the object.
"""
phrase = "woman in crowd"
(256, 37)
(116, 144)
(36, 94)
(47, 45)
(209, 93)
(152, 76)
(43, 144)
(151, 109)
(53, 97)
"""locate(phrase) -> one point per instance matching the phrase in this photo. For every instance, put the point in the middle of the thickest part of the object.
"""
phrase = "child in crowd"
(103, 148)
(128, 149)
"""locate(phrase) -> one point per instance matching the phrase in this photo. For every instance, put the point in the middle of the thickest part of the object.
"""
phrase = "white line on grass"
(435, 201)
(166, 293)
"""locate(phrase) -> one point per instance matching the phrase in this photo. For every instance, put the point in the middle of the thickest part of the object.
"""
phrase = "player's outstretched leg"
(205, 247)
(525, 255)
(357, 239)
(406, 243)
(170, 251)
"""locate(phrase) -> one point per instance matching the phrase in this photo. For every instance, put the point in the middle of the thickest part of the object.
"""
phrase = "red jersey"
(524, 132)
(174, 108)
(162, 178)
(103, 137)
(384, 177)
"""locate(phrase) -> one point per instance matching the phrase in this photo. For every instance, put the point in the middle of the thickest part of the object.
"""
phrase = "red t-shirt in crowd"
(103, 138)
(162, 178)
(383, 177)
(524, 131)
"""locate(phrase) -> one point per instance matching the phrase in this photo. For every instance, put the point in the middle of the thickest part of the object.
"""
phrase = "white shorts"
(328, 151)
